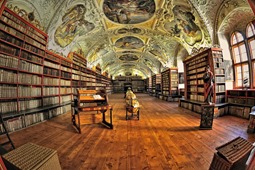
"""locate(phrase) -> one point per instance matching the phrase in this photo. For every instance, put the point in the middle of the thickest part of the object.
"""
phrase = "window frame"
(240, 64)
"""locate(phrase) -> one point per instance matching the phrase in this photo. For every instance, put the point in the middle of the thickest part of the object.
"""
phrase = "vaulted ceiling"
(133, 36)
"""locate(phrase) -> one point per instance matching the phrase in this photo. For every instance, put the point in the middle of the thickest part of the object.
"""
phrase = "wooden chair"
(135, 111)
(91, 100)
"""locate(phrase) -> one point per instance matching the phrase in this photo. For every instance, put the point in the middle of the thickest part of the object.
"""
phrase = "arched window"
(240, 58)
(250, 32)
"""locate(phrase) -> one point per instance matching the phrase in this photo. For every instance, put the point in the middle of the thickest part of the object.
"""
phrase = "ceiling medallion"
(129, 11)
(128, 57)
(129, 42)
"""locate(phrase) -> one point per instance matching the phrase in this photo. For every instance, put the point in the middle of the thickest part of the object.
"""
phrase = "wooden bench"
(91, 100)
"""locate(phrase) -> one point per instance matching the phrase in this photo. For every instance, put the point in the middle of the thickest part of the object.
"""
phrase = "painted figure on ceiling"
(73, 23)
(184, 26)
(129, 11)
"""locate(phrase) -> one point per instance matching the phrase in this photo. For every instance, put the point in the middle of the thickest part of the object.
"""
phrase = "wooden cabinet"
(169, 82)
(240, 102)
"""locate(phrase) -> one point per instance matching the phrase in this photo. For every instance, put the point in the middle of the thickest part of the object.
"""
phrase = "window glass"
(234, 41)
(252, 48)
(236, 55)
(243, 52)
(246, 75)
(253, 68)
(239, 37)
(239, 76)
(250, 30)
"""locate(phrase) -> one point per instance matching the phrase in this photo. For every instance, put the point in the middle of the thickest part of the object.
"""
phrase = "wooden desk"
(91, 100)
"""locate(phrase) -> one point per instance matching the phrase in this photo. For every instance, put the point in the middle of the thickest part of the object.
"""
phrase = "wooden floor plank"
(165, 137)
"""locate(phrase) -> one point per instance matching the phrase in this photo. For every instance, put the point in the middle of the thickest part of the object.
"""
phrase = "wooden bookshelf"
(240, 102)
(35, 83)
(29, 78)
(194, 69)
(84, 78)
(156, 84)
(169, 82)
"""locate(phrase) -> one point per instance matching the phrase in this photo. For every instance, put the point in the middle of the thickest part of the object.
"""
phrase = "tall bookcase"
(156, 84)
(169, 79)
(32, 81)
(85, 78)
(194, 69)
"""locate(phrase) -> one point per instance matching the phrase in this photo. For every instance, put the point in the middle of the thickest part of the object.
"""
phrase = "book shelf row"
(34, 80)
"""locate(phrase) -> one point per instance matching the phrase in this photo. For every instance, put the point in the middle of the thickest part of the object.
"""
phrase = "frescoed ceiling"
(140, 37)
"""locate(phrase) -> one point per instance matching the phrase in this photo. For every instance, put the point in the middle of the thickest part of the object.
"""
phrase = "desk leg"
(104, 121)
(77, 125)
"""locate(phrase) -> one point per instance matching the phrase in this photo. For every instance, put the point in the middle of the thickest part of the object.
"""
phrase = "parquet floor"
(165, 137)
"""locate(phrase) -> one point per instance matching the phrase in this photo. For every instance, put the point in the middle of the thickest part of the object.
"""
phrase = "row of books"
(219, 79)
(52, 81)
(10, 50)
(11, 39)
(14, 22)
(18, 24)
(219, 71)
(51, 71)
(66, 75)
(29, 104)
(52, 57)
(8, 76)
(34, 49)
(67, 69)
(66, 98)
(8, 106)
(65, 90)
(26, 91)
(35, 43)
(50, 101)
(196, 97)
(7, 91)
(220, 88)
(30, 67)
(50, 64)
(47, 91)
(20, 122)
(202, 58)
(66, 63)
(12, 31)
(29, 79)
(31, 57)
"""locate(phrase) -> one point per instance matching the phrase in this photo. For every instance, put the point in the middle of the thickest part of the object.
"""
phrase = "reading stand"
(91, 100)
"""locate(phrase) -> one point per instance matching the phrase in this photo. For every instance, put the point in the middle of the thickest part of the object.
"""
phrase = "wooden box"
(232, 155)
(32, 156)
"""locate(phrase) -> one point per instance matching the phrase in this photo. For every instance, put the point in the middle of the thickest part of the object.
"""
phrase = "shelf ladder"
(8, 141)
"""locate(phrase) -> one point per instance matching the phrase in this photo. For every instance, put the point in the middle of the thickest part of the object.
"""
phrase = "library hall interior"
(127, 84)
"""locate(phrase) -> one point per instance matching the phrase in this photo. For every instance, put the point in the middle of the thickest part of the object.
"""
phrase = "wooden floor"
(165, 137)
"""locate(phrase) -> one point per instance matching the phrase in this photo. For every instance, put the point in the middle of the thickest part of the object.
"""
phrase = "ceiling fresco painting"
(128, 57)
(73, 23)
(129, 11)
(140, 37)
(129, 43)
